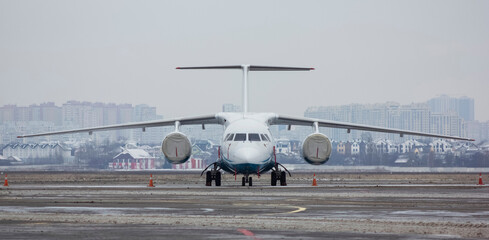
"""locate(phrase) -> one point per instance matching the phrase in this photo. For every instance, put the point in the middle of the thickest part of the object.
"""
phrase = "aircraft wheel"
(243, 181)
(283, 179)
(218, 178)
(208, 178)
(274, 178)
(250, 182)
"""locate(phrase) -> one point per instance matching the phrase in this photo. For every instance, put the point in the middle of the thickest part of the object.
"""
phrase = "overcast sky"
(127, 51)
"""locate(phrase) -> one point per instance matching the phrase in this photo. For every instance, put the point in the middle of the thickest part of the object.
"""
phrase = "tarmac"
(119, 205)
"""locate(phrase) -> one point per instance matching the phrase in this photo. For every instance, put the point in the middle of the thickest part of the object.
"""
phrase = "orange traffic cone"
(151, 181)
(480, 179)
(6, 181)
(314, 182)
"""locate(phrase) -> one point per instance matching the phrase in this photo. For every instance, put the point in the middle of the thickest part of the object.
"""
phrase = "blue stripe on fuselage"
(246, 168)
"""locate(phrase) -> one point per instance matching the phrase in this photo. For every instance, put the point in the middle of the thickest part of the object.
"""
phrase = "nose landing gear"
(279, 175)
(213, 174)
(246, 179)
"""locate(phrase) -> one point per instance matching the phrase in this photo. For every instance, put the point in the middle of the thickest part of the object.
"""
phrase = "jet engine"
(176, 147)
(316, 149)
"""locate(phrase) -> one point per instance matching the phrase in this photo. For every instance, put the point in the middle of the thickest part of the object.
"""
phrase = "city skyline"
(231, 107)
(441, 115)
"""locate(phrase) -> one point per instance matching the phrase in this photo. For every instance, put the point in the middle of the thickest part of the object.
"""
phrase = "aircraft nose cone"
(249, 155)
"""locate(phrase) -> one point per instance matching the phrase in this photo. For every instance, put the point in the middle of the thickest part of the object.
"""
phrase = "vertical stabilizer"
(245, 87)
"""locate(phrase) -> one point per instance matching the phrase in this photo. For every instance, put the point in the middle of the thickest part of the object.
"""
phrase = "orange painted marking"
(247, 233)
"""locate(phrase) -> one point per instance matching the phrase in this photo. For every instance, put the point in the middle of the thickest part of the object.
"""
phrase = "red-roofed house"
(134, 159)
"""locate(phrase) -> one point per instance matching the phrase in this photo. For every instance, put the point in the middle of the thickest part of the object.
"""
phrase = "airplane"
(247, 145)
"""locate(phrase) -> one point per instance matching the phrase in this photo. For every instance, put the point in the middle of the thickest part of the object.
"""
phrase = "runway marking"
(247, 233)
(299, 209)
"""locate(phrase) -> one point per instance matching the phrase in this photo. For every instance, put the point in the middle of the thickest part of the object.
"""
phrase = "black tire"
(243, 181)
(250, 182)
(218, 179)
(208, 178)
(283, 179)
(274, 178)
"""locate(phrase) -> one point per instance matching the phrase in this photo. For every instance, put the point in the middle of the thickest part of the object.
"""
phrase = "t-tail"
(246, 69)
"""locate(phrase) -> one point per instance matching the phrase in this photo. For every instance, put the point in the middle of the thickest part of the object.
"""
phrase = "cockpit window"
(254, 137)
(265, 137)
(230, 137)
(240, 137)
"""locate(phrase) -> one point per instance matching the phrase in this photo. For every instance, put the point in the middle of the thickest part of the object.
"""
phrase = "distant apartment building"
(124, 115)
(463, 106)
(383, 115)
(49, 113)
(83, 114)
(7, 113)
(231, 108)
(46, 112)
(155, 135)
(478, 130)
(448, 124)
(16, 120)
(413, 117)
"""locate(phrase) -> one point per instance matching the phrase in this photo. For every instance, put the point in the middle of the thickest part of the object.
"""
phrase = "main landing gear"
(247, 179)
(279, 175)
(213, 174)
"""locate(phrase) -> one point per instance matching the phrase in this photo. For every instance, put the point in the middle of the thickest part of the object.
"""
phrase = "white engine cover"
(176, 147)
(316, 149)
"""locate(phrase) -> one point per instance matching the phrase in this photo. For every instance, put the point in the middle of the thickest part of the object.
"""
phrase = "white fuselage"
(247, 144)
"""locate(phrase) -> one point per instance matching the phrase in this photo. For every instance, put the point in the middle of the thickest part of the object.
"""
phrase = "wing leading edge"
(207, 119)
(302, 121)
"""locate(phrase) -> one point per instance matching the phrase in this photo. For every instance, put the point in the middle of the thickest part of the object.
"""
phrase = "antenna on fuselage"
(246, 69)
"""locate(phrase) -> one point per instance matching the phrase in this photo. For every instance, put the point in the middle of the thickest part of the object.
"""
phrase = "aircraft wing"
(303, 121)
(207, 119)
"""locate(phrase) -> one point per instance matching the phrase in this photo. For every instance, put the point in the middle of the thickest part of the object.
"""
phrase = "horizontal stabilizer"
(251, 68)
(268, 68)
(213, 67)
(246, 68)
